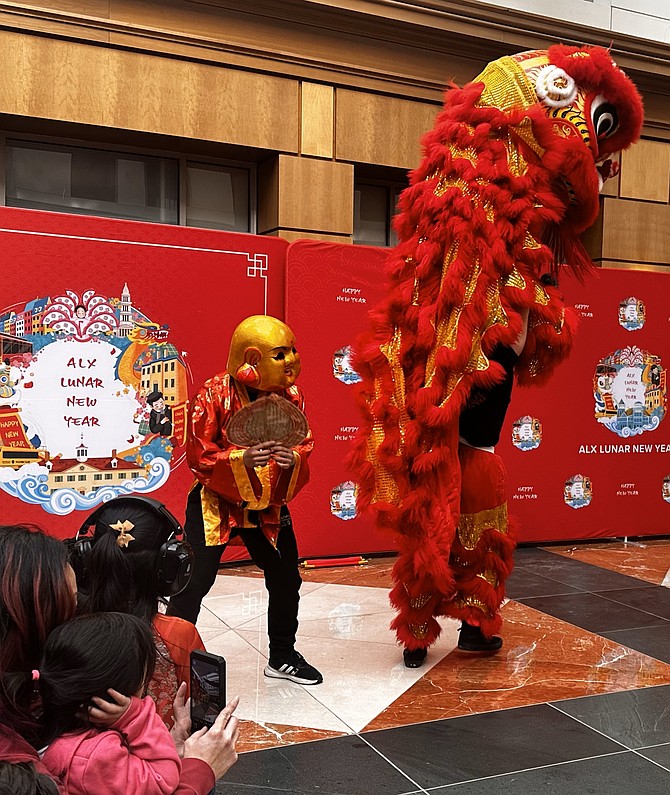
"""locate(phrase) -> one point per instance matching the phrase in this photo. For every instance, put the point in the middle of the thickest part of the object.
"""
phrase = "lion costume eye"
(605, 118)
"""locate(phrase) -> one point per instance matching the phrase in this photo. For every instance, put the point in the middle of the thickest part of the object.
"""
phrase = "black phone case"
(217, 665)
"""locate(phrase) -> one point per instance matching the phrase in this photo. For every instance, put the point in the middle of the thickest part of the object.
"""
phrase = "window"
(122, 475)
(374, 207)
(70, 478)
(58, 479)
(108, 476)
(217, 197)
(81, 477)
(97, 477)
(73, 179)
(104, 180)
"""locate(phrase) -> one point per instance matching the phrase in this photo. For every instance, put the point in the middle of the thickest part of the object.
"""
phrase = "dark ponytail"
(35, 597)
(85, 658)
(121, 578)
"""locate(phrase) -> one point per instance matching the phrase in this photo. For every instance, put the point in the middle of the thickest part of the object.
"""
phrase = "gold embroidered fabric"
(472, 525)
(515, 279)
(472, 601)
(490, 577)
(418, 601)
(419, 630)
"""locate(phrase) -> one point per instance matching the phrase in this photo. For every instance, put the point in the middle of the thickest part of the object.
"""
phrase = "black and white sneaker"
(294, 668)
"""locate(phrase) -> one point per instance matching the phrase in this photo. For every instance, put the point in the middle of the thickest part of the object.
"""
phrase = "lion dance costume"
(510, 176)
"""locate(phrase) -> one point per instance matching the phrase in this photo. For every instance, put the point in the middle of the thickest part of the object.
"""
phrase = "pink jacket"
(135, 755)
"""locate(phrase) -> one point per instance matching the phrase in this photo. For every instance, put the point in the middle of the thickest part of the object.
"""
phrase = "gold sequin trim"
(386, 489)
(515, 279)
(541, 295)
(533, 367)
(444, 183)
(472, 525)
(506, 86)
(448, 261)
(496, 312)
(418, 601)
(530, 242)
(468, 153)
(490, 577)
(524, 131)
(419, 630)
(472, 601)
(446, 332)
(391, 351)
(515, 161)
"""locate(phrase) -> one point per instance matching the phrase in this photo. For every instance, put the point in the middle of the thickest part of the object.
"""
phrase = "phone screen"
(207, 690)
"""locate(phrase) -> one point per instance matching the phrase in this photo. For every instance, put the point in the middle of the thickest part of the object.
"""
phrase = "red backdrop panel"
(622, 467)
(329, 290)
(621, 353)
(190, 286)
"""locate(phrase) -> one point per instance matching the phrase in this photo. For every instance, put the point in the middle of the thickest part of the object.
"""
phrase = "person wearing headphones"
(128, 559)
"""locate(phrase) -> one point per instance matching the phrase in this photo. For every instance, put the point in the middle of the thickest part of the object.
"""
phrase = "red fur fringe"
(464, 202)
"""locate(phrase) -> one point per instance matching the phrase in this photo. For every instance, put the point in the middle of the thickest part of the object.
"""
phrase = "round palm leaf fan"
(268, 418)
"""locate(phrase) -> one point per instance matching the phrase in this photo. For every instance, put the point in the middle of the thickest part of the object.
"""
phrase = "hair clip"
(123, 529)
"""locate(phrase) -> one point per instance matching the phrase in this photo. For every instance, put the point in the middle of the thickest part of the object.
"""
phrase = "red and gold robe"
(230, 489)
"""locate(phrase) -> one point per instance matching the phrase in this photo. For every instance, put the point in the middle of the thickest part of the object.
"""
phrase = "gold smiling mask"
(262, 354)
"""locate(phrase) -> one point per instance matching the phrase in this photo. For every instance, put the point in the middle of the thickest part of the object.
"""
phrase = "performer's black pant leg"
(205, 563)
(282, 580)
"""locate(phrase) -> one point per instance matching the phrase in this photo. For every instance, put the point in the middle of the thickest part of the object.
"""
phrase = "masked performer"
(243, 493)
(510, 176)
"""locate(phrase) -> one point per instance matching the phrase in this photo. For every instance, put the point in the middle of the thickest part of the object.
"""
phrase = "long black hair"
(35, 597)
(121, 578)
(86, 657)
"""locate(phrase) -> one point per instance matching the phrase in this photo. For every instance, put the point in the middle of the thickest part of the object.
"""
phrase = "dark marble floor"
(578, 701)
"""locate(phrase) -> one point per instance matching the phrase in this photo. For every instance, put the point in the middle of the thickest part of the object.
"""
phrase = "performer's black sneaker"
(471, 639)
(295, 668)
(414, 658)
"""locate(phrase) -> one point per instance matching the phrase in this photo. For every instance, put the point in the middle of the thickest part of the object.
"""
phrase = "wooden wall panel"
(636, 231)
(645, 171)
(372, 128)
(316, 119)
(307, 195)
(292, 236)
(635, 266)
(89, 8)
(316, 195)
(53, 79)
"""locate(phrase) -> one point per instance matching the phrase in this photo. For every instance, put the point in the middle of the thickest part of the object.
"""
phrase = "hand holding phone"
(208, 688)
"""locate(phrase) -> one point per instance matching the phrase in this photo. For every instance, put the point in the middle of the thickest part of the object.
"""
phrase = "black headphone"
(174, 559)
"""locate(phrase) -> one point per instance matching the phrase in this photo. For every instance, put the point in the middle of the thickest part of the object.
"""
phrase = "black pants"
(279, 566)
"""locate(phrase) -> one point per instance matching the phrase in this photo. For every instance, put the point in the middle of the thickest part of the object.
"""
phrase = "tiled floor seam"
(529, 769)
(602, 595)
(604, 695)
(553, 705)
(636, 580)
(418, 787)
(647, 759)
(509, 709)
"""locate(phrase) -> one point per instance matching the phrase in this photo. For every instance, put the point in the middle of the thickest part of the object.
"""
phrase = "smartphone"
(208, 688)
